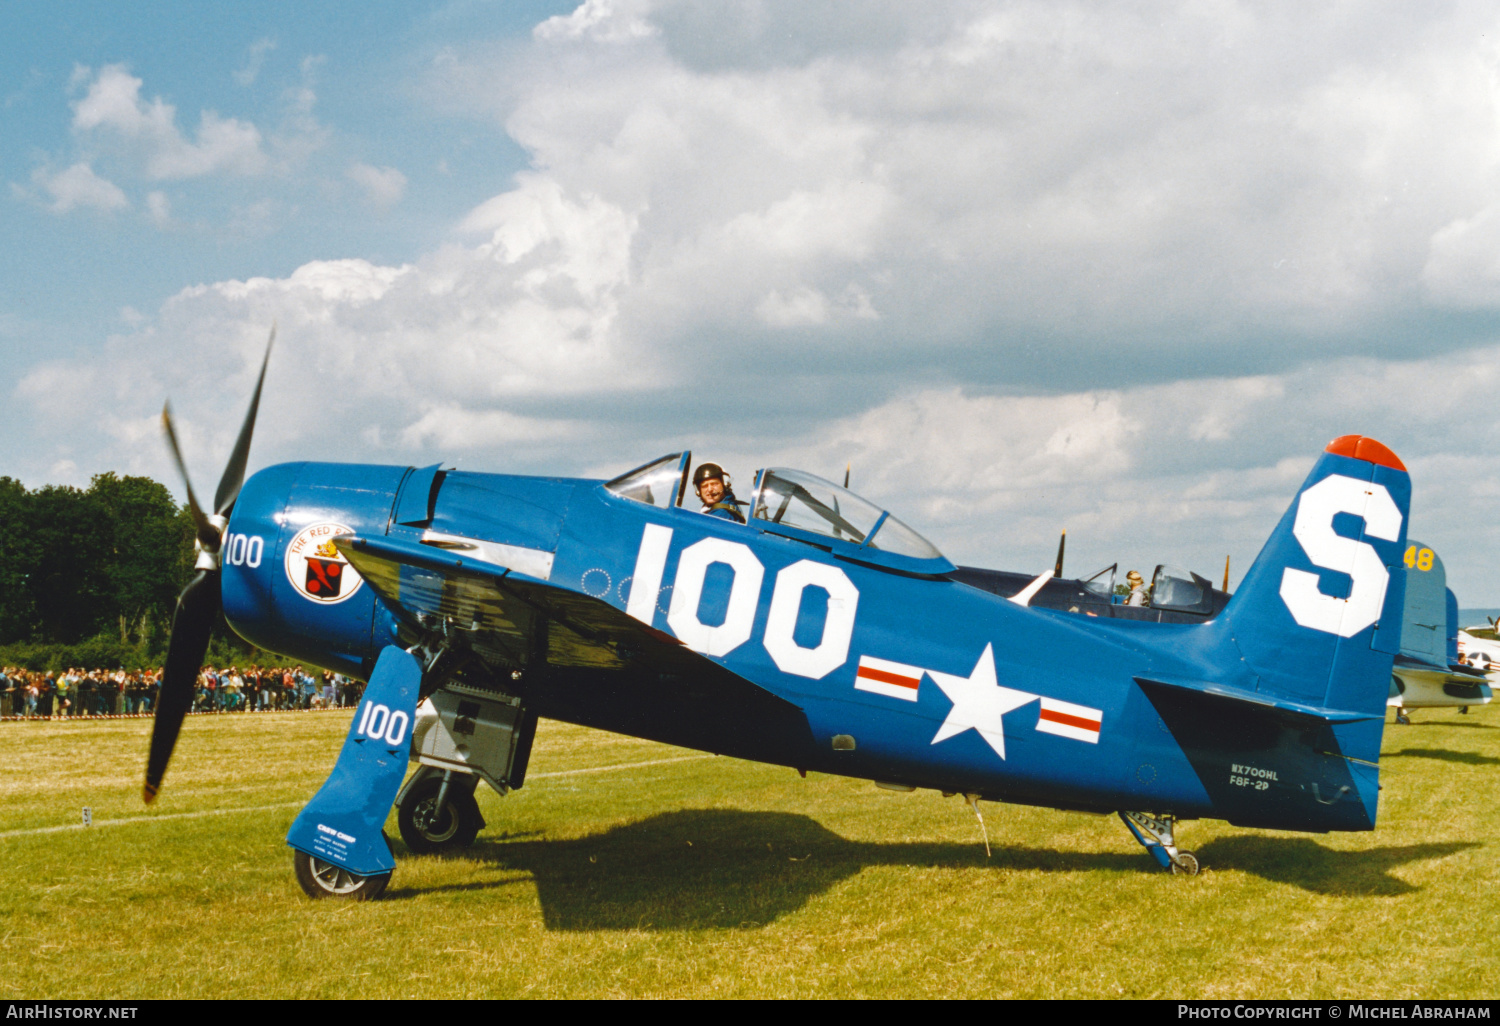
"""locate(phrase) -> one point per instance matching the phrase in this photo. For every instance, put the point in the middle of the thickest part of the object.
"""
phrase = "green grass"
(709, 877)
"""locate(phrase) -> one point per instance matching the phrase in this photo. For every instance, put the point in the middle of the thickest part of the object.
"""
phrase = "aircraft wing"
(1441, 676)
(582, 659)
(1459, 683)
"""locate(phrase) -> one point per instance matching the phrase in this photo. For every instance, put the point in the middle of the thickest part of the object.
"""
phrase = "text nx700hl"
(824, 634)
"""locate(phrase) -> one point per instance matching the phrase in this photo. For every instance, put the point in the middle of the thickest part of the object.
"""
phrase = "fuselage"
(901, 676)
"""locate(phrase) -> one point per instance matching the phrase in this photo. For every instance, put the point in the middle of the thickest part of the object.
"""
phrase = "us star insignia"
(979, 702)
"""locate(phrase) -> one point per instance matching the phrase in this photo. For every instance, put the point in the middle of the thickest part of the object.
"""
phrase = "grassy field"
(616, 872)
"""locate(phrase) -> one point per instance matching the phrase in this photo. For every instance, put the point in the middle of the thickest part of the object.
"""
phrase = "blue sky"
(1117, 268)
(70, 277)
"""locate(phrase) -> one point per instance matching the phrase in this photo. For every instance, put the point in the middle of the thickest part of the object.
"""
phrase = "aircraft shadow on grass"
(1305, 863)
(702, 869)
(1446, 755)
(1466, 724)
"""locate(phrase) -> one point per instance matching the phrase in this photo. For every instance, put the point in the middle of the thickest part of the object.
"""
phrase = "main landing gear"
(437, 812)
(467, 730)
(1156, 835)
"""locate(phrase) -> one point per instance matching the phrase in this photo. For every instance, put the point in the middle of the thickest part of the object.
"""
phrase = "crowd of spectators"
(78, 692)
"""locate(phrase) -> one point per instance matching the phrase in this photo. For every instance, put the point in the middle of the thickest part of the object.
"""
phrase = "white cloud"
(454, 428)
(802, 307)
(253, 220)
(583, 243)
(1123, 269)
(383, 186)
(1463, 262)
(301, 134)
(1142, 181)
(605, 21)
(113, 102)
(255, 58)
(160, 208)
(78, 186)
(400, 358)
(1133, 475)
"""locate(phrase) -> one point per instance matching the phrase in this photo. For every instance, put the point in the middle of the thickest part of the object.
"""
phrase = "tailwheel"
(320, 879)
(1401, 716)
(438, 815)
(1157, 834)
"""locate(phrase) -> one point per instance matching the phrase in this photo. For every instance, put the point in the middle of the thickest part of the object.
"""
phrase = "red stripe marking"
(886, 677)
(1071, 721)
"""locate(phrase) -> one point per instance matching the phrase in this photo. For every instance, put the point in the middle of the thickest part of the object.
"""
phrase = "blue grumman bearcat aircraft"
(823, 634)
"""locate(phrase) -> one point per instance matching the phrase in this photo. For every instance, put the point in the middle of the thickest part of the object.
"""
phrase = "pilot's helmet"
(1134, 577)
(706, 471)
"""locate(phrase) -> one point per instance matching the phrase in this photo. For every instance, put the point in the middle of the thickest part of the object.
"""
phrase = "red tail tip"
(1361, 448)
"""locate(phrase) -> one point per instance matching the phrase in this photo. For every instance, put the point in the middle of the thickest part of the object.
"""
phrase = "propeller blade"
(847, 467)
(197, 608)
(234, 470)
(1061, 545)
(208, 535)
(198, 605)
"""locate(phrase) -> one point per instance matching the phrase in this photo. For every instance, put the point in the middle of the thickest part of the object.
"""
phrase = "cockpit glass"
(1181, 590)
(807, 502)
(656, 484)
(894, 536)
(1102, 584)
(797, 499)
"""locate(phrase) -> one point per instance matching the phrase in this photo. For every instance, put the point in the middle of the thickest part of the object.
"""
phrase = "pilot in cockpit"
(714, 489)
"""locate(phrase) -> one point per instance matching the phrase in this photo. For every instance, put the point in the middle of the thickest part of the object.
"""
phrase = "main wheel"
(320, 879)
(429, 830)
(1185, 864)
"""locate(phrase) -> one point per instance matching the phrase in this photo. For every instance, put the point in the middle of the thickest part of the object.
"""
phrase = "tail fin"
(1317, 619)
(1424, 623)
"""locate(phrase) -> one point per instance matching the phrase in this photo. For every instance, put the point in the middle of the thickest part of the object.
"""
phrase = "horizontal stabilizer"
(1262, 701)
(1272, 762)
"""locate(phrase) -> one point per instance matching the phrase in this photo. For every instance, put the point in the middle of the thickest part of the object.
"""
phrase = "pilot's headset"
(708, 470)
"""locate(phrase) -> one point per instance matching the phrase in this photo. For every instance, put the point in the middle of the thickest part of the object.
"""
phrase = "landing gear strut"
(437, 813)
(1156, 835)
(1401, 717)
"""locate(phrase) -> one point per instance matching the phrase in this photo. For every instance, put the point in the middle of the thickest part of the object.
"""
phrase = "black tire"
(428, 830)
(320, 879)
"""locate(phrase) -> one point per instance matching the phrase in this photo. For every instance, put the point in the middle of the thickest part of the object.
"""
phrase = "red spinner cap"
(1361, 448)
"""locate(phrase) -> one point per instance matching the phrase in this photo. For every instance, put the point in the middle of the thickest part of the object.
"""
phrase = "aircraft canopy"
(787, 498)
(797, 499)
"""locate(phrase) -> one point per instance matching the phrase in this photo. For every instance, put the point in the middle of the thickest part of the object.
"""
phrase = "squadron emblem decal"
(317, 570)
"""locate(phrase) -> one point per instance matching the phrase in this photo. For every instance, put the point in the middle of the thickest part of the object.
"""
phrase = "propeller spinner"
(198, 605)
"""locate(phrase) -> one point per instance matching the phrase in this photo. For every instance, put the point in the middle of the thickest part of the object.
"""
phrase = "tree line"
(90, 577)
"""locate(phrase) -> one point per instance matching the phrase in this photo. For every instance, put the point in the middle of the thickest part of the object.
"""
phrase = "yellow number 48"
(1421, 560)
